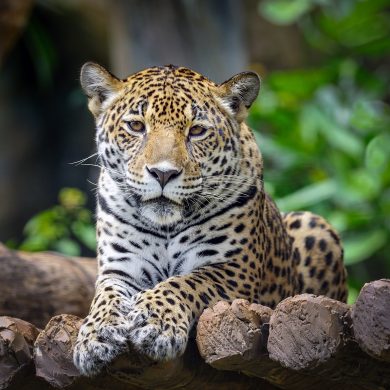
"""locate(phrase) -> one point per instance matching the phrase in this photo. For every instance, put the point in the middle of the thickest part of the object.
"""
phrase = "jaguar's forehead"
(169, 88)
(169, 75)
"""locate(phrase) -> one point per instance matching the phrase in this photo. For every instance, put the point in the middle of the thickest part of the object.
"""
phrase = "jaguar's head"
(169, 136)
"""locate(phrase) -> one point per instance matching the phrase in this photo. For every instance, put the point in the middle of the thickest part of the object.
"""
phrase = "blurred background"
(322, 119)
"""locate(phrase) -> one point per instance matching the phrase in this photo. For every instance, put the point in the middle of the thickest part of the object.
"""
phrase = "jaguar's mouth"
(162, 201)
(162, 210)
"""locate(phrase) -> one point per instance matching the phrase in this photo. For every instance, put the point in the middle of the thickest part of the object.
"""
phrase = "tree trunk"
(37, 286)
(184, 33)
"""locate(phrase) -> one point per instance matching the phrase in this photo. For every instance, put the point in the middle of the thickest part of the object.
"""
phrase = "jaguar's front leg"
(105, 331)
(161, 318)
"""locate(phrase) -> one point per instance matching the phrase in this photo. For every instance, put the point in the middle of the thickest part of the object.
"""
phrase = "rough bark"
(53, 360)
(16, 350)
(37, 286)
(308, 342)
(372, 312)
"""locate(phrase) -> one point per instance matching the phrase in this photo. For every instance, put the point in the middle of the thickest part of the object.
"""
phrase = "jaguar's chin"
(162, 211)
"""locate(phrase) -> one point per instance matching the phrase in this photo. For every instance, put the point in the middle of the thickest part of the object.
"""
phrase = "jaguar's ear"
(238, 93)
(99, 85)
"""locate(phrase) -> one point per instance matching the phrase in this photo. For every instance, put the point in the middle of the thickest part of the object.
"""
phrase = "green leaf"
(343, 139)
(353, 293)
(86, 233)
(308, 196)
(72, 198)
(284, 12)
(364, 184)
(378, 153)
(314, 119)
(366, 115)
(269, 147)
(301, 83)
(67, 247)
(49, 224)
(35, 244)
(362, 246)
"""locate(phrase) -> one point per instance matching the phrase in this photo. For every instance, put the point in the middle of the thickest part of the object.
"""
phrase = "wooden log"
(306, 331)
(37, 286)
(53, 350)
(314, 336)
(232, 337)
(229, 332)
(16, 350)
(53, 359)
(310, 345)
(235, 337)
(306, 342)
(371, 319)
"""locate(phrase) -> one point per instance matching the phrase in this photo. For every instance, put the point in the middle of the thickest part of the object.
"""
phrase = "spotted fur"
(183, 219)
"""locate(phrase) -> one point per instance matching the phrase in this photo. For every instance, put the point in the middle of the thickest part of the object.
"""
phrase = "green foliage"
(285, 11)
(324, 131)
(63, 228)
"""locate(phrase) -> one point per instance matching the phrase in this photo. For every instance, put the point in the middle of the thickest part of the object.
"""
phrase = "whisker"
(103, 167)
(79, 162)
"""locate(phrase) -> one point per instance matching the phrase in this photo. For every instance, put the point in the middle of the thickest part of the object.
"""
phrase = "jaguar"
(183, 219)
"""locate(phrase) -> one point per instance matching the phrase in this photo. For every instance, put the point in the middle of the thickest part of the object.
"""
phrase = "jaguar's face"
(169, 135)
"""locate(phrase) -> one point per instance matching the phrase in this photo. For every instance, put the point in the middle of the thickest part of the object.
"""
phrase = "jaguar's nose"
(163, 177)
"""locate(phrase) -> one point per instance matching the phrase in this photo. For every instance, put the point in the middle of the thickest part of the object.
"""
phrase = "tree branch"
(37, 286)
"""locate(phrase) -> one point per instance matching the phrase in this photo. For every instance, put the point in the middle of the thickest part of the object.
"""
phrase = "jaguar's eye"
(136, 126)
(197, 131)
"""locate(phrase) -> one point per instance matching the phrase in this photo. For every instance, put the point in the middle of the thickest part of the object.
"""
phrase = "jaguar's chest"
(185, 252)
(154, 259)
